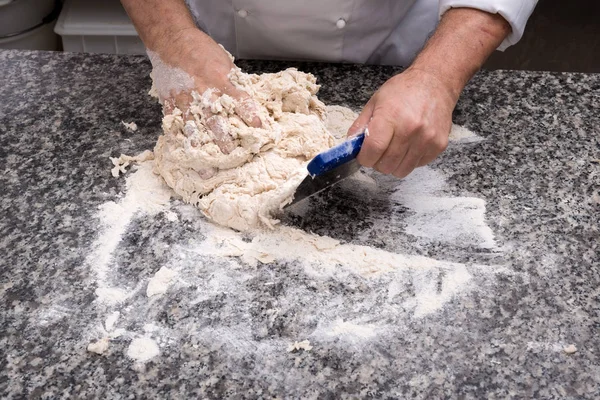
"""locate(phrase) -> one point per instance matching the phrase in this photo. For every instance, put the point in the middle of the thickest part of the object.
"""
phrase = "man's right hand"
(168, 30)
(209, 66)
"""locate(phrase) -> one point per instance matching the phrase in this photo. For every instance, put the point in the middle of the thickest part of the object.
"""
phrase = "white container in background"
(97, 26)
(40, 38)
(28, 24)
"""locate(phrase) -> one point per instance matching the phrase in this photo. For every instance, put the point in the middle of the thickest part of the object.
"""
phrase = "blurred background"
(560, 36)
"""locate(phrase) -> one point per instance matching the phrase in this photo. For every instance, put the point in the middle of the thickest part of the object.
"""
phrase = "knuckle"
(441, 144)
(399, 173)
(413, 123)
(428, 136)
(376, 145)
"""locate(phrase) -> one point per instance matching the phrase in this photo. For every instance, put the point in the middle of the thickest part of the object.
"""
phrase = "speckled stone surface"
(225, 332)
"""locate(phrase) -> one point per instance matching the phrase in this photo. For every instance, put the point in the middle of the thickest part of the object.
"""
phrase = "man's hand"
(168, 30)
(409, 119)
(410, 116)
(208, 65)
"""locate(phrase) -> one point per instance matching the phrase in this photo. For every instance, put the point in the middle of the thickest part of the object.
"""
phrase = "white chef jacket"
(388, 32)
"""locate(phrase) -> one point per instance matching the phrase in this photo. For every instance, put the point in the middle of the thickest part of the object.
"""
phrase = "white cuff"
(516, 12)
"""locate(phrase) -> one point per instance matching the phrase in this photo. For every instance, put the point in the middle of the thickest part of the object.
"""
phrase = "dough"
(241, 183)
(160, 282)
(570, 349)
(132, 126)
(100, 346)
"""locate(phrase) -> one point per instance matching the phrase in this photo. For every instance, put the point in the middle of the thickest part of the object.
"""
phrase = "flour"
(430, 297)
(109, 295)
(320, 254)
(111, 320)
(303, 345)
(144, 194)
(345, 328)
(463, 135)
(160, 282)
(167, 81)
(143, 349)
(456, 220)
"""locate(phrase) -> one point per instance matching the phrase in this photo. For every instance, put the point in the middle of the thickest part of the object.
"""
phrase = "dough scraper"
(330, 167)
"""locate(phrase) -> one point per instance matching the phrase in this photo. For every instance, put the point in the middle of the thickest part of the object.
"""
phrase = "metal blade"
(311, 186)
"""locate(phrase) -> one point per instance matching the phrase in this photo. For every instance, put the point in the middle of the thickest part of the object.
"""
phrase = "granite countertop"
(520, 283)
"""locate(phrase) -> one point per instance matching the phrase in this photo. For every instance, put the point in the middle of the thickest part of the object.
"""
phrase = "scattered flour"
(132, 126)
(146, 194)
(315, 252)
(143, 349)
(160, 282)
(342, 328)
(111, 295)
(463, 135)
(456, 220)
(430, 297)
(296, 346)
(434, 282)
(111, 320)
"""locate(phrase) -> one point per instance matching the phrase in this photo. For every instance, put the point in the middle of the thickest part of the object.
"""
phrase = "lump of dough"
(243, 184)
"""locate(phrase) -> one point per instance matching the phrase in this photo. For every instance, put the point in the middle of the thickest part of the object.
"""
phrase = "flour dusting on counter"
(145, 194)
(239, 175)
(143, 349)
(437, 217)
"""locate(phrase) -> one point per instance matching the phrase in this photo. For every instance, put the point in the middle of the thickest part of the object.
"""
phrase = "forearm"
(464, 39)
(160, 23)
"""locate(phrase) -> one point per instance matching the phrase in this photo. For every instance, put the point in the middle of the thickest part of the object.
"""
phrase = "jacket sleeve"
(516, 12)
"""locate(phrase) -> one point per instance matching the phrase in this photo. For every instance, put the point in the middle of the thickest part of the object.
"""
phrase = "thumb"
(361, 123)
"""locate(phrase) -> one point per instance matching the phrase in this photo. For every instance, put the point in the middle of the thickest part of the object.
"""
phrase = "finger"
(182, 101)
(168, 106)
(381, 132)
(361, 123)
(219, 129)
(437, 146)
(394, 154)
(426, 159)
(247, 109)
(409, 163)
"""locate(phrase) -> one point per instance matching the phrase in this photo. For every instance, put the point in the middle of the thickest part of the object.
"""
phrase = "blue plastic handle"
(336, 156)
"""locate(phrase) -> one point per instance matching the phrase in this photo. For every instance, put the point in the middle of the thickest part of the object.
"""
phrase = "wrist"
(173, 41)
(460, 45)
(452, 82)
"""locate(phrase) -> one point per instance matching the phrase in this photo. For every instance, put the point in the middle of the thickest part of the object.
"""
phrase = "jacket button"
(242, 13)
(341, 23)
